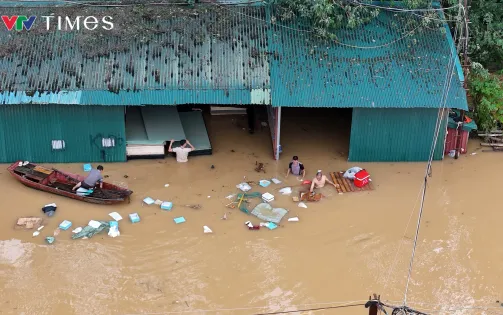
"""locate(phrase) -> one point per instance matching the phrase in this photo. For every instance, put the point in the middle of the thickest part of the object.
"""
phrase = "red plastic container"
(361, 178)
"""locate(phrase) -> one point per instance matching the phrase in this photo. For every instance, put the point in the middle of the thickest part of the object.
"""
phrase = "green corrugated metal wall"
(27, 131)
(394, 135)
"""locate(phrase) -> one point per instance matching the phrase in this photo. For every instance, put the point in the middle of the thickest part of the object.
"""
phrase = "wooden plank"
(42, 169)
(339, 188)
(341, 183)
(347, 184)
(491, 144)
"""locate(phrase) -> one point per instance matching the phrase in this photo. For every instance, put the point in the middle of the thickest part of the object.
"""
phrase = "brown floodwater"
(344, 247)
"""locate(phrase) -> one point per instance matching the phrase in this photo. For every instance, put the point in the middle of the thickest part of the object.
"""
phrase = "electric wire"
(299, 306)
(441, 113)
(407, 34)
(312, 309)
(395, 9)
(119, 4)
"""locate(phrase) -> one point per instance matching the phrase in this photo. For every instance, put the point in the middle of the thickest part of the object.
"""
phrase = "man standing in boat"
(92, 179)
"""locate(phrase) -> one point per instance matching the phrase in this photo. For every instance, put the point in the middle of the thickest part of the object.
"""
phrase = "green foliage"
(486, 33)
(487, 91)
(326, 16)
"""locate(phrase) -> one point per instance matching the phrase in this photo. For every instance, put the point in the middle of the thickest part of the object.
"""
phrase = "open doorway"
(149, 129)
(316, 132)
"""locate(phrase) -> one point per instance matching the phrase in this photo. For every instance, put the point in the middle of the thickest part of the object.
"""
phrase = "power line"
(310, 31)
(331, 305)
(404, 10)
(438, 125)
(409, 33)
(119, 4)
(312, 309)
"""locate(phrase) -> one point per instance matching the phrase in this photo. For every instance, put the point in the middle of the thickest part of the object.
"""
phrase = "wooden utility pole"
(373, 304)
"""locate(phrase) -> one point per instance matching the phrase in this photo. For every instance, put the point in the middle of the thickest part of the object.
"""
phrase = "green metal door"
(395, 135)
(62, 133)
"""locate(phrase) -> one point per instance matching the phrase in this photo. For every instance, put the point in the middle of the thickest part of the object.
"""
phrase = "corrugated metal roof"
(202, 54)
(407, 73)
(148, 97)
(394, 135)
(224, 56)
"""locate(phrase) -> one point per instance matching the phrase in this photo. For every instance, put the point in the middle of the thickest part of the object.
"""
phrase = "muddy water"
(343, 249)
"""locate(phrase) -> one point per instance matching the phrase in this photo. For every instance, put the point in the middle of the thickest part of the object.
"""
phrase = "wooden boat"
(61, 183)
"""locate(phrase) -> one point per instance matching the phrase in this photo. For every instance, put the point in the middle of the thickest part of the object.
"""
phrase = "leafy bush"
(486, 33)
(487, 91)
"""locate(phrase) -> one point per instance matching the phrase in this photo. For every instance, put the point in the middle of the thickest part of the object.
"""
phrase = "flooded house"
(72, 94)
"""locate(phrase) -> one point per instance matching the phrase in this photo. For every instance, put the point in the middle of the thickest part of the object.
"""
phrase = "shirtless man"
(319, 181)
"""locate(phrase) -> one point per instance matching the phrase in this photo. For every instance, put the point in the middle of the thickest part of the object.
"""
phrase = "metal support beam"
(278, 133)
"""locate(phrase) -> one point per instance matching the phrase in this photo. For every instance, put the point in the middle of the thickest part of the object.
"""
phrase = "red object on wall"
(450, 140)
(361, 178)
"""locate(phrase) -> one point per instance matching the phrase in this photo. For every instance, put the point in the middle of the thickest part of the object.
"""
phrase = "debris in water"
(116, 216)
(225, 216)
(125, 176)
(77, 230)
(179, 220)
(207, 230)
(29, 222)
(260, 167)
(212, 166)
(195, 207)
(166, 185)
(50, 239)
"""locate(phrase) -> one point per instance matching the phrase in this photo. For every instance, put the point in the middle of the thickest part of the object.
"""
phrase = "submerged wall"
(62, 133)
(395, 135)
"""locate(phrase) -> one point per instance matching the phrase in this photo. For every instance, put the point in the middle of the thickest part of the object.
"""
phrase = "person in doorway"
(92, 179)
(319, 181)
(182, 152)
(296, 167)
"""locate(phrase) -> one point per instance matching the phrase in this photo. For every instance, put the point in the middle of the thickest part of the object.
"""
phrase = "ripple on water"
(167, 276)
(269, 261)
(81, 275)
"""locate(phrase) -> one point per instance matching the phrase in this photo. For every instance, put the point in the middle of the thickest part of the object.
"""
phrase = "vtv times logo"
(60, 23)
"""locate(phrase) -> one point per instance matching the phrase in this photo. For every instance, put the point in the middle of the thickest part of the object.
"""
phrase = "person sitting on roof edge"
(182, 152)
(296, 167)
(92, 179)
